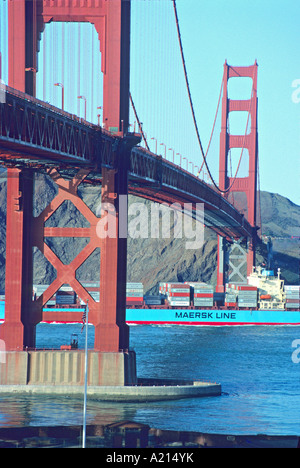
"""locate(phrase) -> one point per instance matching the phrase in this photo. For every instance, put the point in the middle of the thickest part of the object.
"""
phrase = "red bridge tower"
(228, 268)
(26, 19)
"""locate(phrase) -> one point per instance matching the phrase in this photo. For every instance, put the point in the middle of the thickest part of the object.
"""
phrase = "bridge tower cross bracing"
(26, 19)
(246, 185)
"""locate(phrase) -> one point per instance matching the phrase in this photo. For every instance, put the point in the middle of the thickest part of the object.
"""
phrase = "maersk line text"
(205, 315)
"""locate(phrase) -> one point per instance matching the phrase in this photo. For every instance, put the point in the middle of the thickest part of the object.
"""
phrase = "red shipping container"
(203, 295)
(179, 294)
(178, 286)
(134, 299)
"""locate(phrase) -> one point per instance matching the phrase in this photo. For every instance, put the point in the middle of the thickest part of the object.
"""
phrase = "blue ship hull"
(199, 316)
(2, 307)
(212, 317)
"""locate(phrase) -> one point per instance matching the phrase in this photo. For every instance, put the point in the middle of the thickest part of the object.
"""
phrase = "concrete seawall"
(111, 377)
(67, 368)
(134, 393)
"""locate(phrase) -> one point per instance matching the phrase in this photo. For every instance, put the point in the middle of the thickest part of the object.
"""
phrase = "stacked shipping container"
(163, 288)
(134, 294)
(153, 300)
(203, 294)
(178, 294)
(230, 296)
(64, 296)
(39, 289)
(292, 294)
(93, 289)
(247, 296)
(244, 294)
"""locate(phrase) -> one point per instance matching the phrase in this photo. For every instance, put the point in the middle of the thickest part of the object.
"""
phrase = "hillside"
(154, 260)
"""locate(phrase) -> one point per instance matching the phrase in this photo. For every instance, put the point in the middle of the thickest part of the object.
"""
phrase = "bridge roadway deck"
(37, 135)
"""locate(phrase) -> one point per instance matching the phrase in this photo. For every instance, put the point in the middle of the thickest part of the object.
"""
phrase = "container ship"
(263, 300)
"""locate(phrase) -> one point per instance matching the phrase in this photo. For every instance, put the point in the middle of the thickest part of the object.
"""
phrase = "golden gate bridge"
(109, 147)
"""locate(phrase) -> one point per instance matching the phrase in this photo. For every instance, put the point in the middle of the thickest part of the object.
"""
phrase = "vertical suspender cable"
(138, 121)
(63, 53)
(34, 41)
(70, 83)
(54, 57)
(44, 65)
(92, 84)
(1, 21)
(50, 62)
(259, 194)
(193, 112)
(78, 74)
(186, 77)
(191, 102)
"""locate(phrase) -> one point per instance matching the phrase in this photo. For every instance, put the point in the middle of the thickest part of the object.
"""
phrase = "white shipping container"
(179, 304)
(204, 304)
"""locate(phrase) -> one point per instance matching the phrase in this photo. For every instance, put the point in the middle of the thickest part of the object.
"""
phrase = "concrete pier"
(111, 377)
(67, 368)
(125, 393)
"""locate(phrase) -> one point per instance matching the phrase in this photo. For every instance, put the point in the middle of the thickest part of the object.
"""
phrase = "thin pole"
(85, 374)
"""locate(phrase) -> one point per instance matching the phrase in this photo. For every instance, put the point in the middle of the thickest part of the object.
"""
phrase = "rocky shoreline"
(129, 434)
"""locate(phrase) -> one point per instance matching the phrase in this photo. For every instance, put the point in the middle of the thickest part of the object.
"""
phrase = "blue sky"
(240, 31)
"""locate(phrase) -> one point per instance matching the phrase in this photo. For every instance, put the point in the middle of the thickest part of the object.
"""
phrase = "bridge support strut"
(19, 325)
(24, 231)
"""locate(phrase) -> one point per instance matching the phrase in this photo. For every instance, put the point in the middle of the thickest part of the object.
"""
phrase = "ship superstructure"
(271, 293)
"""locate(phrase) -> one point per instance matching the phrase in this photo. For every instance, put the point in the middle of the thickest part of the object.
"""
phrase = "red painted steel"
(111, 331)
(24, 231)
(34, 135)
(108, 316)
(66, 274)
(19, 325)
(26, 19)
(247, 185)
(29, 127)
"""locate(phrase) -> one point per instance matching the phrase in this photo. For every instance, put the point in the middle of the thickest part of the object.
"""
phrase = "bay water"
(255, 365)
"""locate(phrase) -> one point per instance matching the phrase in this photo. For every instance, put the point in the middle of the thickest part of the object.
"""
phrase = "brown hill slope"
(154, 260)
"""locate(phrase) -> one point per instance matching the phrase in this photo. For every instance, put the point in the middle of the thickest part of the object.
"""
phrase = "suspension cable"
(194, 117)
(190, 96)
(213, 128)
(259, 194)
(138, 121)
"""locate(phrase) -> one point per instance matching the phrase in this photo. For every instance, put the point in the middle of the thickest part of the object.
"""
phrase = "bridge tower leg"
(24, 28)
(18, 329)
(111, 331)
(248, 184)
(26, 19)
